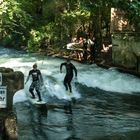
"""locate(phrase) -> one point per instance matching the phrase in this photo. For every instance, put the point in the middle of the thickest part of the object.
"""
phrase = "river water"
(106, 105)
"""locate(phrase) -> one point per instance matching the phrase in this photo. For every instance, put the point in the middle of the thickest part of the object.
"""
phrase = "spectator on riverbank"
(85, 51)
(92, 46)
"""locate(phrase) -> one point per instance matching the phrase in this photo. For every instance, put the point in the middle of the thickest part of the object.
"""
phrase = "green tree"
(14, 23)
(28, 22)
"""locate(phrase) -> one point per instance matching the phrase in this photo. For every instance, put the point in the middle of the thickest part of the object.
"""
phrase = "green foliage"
(134, 14)
(14, 22)
(74, 19)
(28, 22)
(132, 10)
(35, 38)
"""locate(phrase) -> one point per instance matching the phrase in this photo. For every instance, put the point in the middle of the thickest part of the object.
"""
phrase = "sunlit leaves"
(13, 21)
(3, 7)
(60, 18)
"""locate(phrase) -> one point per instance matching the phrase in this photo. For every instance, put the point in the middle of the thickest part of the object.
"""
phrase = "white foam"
(110, 80)
(89, 75)
(19, 96)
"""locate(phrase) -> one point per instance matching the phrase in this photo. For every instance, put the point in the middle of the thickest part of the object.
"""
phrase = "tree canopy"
(27, 23)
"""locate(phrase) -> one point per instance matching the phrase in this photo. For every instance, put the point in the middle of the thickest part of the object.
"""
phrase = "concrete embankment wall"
(8, 125)
(126, 51)
(10, 82)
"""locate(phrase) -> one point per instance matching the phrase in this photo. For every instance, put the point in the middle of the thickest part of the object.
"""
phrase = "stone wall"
(125, 41)
(14, 81)
(8, 125)
(126, 50)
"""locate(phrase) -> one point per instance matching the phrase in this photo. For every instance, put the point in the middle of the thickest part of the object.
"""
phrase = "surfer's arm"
(41, 78)
(62, 66)
(75, 70)
(27, 79)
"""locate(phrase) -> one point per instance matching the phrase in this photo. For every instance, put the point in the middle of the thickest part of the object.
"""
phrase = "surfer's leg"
(39, 96)
(37, 87)
(32, 93)
(69, 83)
(31, 89)
(65, 83)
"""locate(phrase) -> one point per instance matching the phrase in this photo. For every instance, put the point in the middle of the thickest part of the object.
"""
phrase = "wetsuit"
(69, 74)
(36, 77)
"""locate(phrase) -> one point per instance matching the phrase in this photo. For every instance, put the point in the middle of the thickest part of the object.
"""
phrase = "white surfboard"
(35, 101)
(39, 103)
(69, 95)
(31, 100)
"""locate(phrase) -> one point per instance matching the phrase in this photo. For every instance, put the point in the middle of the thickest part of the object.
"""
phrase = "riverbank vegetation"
(32, 25)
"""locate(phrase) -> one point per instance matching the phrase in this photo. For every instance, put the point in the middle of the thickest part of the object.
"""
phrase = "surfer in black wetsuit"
(37, 80)
(69, 74)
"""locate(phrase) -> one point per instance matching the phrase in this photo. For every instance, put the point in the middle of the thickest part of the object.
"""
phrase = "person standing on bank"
(69, 74)
(92, 46)
(37, 80)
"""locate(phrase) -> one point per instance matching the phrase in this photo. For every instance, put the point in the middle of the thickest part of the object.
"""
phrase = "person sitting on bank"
(37, 80)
